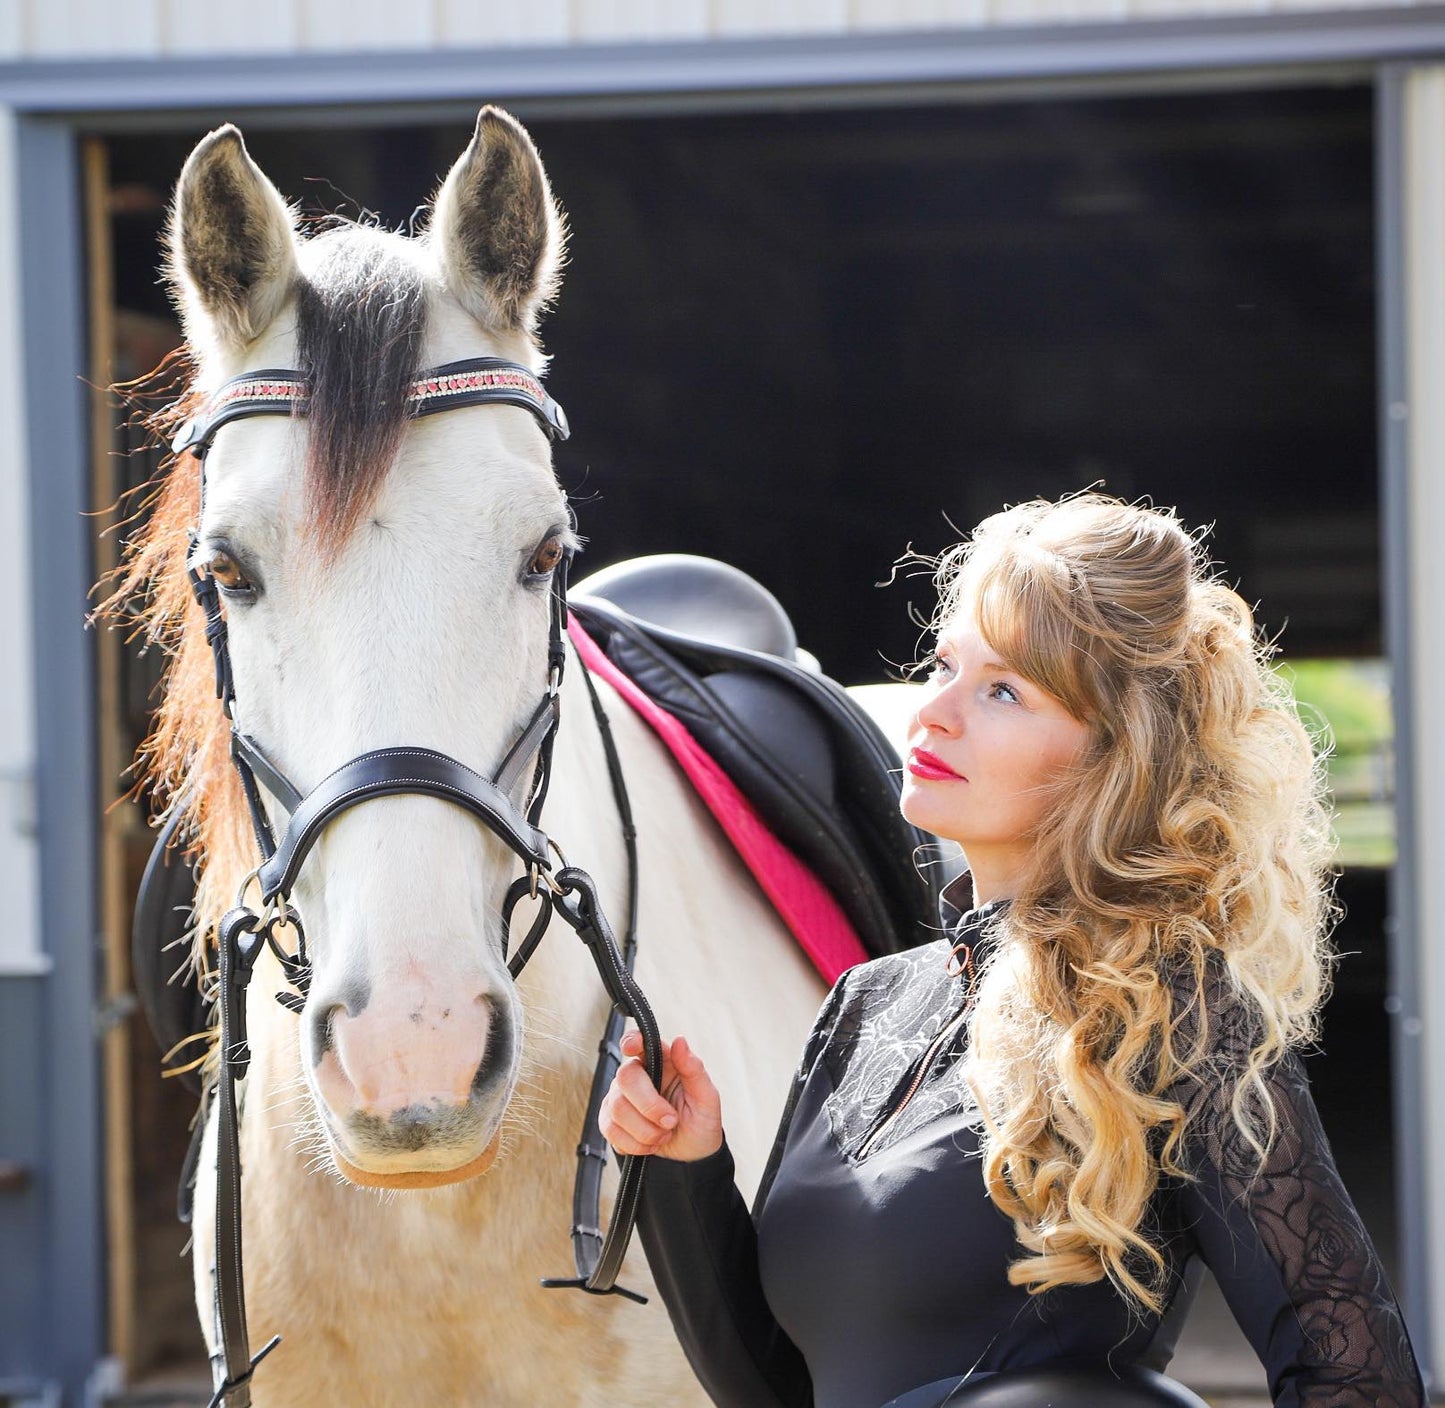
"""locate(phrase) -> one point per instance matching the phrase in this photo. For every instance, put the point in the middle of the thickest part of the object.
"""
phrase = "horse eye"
(546, 558)
(227, 572)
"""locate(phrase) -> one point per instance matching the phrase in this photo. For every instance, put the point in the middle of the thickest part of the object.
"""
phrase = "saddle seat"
(698, 598)
(716, 650)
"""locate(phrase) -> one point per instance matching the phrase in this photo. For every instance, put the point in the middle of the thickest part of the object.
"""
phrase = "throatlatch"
(566, 890)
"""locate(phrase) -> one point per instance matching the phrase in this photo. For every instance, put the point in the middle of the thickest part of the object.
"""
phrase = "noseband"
(559, 888)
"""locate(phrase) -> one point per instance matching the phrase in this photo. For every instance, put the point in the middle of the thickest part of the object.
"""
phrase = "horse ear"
(231, 244)
(497, 230)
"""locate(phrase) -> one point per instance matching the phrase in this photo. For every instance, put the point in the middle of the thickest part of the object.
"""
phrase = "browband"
(477, 381)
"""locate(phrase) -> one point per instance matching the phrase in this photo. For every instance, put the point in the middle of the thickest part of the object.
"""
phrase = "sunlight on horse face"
(416, 623)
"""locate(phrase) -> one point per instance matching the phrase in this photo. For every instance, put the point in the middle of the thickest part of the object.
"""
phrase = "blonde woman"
(1015, 1148)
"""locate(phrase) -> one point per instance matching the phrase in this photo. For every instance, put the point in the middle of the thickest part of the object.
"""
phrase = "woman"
(1019, 1145)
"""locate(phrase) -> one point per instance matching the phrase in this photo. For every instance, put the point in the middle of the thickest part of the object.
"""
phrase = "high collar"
(957, 909)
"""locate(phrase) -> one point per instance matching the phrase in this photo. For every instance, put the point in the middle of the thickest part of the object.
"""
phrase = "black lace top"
(874, 1261)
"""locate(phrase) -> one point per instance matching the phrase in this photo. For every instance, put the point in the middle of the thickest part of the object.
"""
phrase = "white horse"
(385, 583)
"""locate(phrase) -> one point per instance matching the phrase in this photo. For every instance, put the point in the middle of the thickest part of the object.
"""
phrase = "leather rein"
(558, 887)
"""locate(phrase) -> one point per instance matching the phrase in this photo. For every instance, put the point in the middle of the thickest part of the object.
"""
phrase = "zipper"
(924, 1066)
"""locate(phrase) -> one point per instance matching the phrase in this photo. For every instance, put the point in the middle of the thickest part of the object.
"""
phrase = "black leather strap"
(578, 904)
(245, 749)
(389, 772)
(231, 1362)
(587, 1242)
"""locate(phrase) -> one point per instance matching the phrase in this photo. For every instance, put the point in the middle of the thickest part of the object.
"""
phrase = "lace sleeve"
(1286, 1245)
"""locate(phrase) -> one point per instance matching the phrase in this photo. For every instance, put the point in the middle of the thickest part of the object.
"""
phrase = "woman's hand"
(684, 1122)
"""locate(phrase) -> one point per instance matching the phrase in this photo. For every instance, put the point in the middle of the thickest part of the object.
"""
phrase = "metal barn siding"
(51, 29)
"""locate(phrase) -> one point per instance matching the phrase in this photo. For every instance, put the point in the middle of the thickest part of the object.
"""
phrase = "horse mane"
(360, 319)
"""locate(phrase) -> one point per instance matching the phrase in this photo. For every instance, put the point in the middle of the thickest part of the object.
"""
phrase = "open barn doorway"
(804, 340)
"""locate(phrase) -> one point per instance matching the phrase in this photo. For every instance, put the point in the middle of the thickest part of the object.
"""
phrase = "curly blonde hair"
(1186, 856)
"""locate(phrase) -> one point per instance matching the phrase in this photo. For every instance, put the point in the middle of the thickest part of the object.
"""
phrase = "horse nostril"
(350, 1001)
(497, 1055)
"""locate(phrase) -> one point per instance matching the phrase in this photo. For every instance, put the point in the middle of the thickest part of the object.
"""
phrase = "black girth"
(564, 890)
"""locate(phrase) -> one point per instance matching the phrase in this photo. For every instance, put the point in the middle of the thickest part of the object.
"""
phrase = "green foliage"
(1346, 703)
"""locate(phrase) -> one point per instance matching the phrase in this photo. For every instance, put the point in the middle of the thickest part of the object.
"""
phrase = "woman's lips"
(922, 763)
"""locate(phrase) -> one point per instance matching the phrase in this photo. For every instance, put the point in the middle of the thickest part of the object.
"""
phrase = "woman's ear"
(497, 231)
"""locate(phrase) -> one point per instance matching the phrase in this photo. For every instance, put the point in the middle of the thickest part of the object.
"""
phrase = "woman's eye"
(1003, 691)
(545, 559)
(939, 666)
(228, 574)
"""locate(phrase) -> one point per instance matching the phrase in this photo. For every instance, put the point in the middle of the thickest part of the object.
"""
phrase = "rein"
(561, 889)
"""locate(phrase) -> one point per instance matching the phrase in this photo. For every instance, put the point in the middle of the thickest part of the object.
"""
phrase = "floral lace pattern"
(1348, 1347)
(897, 1008)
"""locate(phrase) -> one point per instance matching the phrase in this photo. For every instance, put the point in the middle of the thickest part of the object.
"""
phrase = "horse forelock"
(360, 324)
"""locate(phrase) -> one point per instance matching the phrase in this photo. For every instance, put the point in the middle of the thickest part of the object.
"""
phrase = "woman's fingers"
(626, 1128)
(632, 1081)
(682, 1121)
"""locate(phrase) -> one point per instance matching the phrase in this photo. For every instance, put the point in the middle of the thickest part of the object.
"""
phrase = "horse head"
(386, 581)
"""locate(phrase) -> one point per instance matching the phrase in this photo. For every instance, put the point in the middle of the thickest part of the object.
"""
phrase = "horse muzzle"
(412, 1086)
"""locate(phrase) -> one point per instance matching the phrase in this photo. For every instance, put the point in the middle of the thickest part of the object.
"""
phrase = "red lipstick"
(922, 763)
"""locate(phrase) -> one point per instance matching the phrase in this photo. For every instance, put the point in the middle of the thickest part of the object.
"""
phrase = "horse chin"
(418, 1178)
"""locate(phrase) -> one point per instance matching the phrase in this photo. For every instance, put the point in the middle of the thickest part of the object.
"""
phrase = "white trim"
(20, 950)
(1424, 233)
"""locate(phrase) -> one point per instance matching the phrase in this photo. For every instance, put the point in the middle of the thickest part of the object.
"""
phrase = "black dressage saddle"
(718, 652)
(1130, 1386)
(715, 648)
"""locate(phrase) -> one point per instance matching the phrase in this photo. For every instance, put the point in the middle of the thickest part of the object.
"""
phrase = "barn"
(844, 274)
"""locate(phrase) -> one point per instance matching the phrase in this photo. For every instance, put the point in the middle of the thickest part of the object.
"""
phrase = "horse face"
(386, 583)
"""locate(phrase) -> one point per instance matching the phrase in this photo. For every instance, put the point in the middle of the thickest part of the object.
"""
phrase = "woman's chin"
(922, 805)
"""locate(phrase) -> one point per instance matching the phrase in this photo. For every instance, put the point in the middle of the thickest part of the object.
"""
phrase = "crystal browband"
(478, 381)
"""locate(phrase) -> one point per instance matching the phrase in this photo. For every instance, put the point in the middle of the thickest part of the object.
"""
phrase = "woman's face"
(987, 748)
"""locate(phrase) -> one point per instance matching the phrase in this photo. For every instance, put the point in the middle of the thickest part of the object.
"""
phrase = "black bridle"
(558, 888)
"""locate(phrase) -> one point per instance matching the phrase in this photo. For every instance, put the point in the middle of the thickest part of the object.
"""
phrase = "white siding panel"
(257, 26)
(917, 14)
(366, 24)
(91, 28)
(1055, 11)
(465, 24)
(135, 28)
(739, 17)
(12, 28)
(639, 19)
(1175, 9)
(1336, 4)
(19, 855)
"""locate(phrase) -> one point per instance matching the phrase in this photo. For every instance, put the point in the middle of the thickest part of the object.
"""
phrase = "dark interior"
(804, 341)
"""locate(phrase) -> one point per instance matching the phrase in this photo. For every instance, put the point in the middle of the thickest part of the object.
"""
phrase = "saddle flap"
(160, 947)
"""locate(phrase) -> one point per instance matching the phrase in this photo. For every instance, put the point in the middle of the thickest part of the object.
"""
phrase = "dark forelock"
(361, 313)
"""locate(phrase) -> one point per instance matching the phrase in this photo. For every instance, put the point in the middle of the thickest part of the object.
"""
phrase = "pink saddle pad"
(804, 903)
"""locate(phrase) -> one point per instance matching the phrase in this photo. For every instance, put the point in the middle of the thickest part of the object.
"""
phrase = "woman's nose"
(938, 711)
